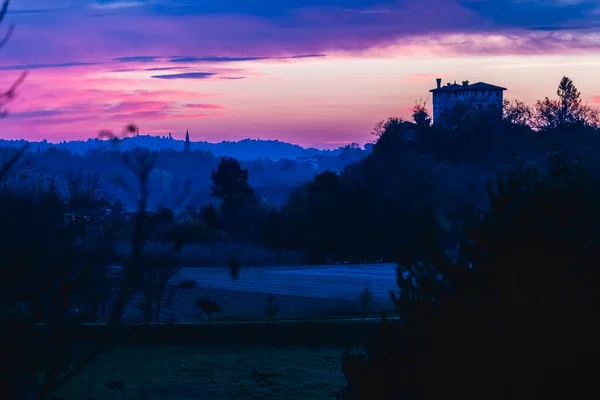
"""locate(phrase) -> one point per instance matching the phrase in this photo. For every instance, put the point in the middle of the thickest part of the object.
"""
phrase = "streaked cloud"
(40, 66)
(114, 5)
(130, 59)
(165, 68)
(186, 75)
(214, 59)
(206, 106)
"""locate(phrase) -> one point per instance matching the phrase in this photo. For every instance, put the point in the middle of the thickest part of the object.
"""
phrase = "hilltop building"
(480, 95)
(187, 146)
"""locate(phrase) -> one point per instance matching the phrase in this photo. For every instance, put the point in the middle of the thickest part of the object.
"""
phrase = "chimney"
(439, 82)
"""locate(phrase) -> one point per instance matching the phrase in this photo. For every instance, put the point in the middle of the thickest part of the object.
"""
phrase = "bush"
(515, 317)
(366, 301)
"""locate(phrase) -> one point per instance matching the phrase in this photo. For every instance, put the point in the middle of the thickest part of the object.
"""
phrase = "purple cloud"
(40, 66)
(143, 59)
(214, 59)
(36, 114)
(207, 106)
(252, 30)
(186, 75)
(165, 68)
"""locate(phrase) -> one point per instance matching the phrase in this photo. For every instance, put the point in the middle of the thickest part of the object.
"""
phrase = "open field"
(324, 281)
(135, 372)
(250, 306)
(301, 292)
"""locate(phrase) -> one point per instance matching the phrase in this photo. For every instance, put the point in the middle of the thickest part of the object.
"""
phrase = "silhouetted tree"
(271, 308)
(48, 265)
(421, 116)
(210, 216)
(379, 128)
(160, 266)
(567, 112)
(230, 184)
(517, 115)
(208, 307)
(517, 313)
(312, 217)
(394, 137)
(366, 301)
(241, 212)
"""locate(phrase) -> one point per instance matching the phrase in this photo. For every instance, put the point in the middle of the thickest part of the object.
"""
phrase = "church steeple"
(187, 146)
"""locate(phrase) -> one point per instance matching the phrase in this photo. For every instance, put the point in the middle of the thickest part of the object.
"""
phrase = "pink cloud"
(53, 102)
(207, 106)
(139, 106)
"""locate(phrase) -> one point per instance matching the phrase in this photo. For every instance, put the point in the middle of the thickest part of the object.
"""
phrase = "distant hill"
(247, 149)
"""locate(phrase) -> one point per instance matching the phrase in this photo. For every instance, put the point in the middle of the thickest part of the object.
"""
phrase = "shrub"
(366, 301)
(515, 317)
(272, 308)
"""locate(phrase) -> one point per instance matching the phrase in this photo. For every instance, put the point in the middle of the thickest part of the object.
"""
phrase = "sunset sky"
(313, 72)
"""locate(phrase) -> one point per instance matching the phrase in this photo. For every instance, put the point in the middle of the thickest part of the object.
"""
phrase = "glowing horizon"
(318, 74)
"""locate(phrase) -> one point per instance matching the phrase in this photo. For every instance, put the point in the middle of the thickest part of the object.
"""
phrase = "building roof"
(475, 86)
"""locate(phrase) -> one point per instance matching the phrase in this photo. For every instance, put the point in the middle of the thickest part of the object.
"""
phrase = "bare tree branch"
(11, 27)
(9, 94)
(132, 270)
(10, 163)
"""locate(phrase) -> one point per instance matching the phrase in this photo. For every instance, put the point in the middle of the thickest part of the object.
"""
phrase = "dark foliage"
(271, 309)
(372, 209)
(208, 307)
(230, 185)
(354, 215)
(515, 317)
(56, 249)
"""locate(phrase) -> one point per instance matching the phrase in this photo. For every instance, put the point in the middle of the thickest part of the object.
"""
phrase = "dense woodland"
(272, 180)
(334, 208)
(514, 315)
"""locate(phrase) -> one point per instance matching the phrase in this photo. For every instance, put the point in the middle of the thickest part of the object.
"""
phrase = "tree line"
(515, 315)
(272, 180)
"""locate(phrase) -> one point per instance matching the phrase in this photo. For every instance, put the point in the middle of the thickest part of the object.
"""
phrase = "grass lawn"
(137, 372)
(240, 306)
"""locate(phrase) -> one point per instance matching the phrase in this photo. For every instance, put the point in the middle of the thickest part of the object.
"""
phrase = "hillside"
(244, 150)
